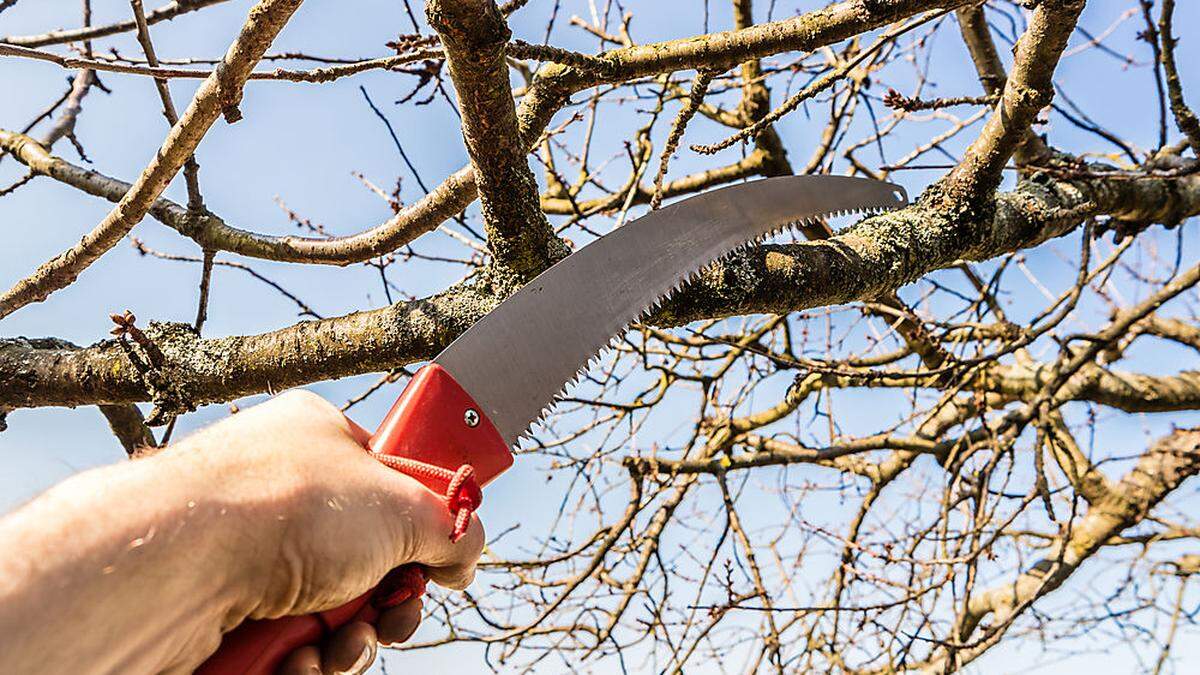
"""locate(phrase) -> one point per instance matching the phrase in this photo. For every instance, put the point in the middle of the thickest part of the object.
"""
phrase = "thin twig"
(821, 84)
(686, 112)
(190, 168)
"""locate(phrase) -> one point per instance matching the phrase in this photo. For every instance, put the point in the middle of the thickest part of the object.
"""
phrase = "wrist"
(110, 547)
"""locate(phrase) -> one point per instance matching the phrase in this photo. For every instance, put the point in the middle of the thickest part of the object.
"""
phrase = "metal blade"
(518, 357)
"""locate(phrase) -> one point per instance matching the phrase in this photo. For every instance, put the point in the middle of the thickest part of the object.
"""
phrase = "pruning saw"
(454, 424)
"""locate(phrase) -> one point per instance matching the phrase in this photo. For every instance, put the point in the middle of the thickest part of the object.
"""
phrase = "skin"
(278, 510)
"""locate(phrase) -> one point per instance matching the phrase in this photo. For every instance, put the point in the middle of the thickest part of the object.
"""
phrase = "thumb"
(425, 524)
(458, 575)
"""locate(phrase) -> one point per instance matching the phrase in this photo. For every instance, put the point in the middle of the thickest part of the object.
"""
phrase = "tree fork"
(474, 36)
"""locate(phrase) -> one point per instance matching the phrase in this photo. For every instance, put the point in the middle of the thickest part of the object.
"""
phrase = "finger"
(303, 661)
(422, 525)
(350, 650)
(459, 571)
(455, 577)
(400, 622)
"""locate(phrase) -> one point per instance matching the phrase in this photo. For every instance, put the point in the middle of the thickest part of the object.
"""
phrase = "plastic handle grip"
(428, 423)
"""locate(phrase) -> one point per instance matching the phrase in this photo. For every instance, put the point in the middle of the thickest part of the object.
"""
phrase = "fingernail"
(364, 660)
(404, 633)
(409, 630)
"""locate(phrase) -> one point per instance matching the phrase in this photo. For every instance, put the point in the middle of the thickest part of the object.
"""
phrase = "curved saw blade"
(515, 360)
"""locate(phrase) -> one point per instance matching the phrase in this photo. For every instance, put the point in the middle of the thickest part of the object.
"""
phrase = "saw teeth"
(686, 278)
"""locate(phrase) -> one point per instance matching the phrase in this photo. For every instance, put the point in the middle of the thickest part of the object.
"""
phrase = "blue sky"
(299, 143)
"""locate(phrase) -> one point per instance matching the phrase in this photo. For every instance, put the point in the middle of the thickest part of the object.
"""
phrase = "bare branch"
(165, 13)
(858, 264)
(1159, 471)
(219, 94)
(1185, 119)
(190, 169)
(1028, 90)
(474, 35)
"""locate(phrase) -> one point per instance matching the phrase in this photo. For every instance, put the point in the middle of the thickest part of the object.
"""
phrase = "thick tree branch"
(129, 427)
(977, 36)
(1171, 329)
(874, 257)
(756, 101)
(124, 419)
(219, 93)
(886, 252)
(1185, 119)
(1131, 392)
(1028, 89)
(806, 32)
(474, 35)
(1088, 481)
(188, 371)
(191, 170)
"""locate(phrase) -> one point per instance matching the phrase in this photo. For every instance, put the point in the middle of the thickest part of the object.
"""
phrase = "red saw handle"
(435, 422)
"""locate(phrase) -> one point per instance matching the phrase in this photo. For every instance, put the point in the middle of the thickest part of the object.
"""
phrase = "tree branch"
(219, 93)
(211, 231)
(189, 371)
(886, 252)
(164, 13)
(191, 170)
(872, 258)
(129, 427)
(806, 32)
(1160, 470)
(1185, 119)
(474, 35)
(551, 89)
(1028, 89)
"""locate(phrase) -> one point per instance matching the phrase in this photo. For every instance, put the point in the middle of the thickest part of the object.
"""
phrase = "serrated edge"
(682, 280)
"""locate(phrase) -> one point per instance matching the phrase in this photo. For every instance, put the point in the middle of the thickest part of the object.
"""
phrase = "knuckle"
(302, 398)
(310, 407)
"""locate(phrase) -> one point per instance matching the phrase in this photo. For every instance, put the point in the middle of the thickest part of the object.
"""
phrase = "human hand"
(323, 522)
